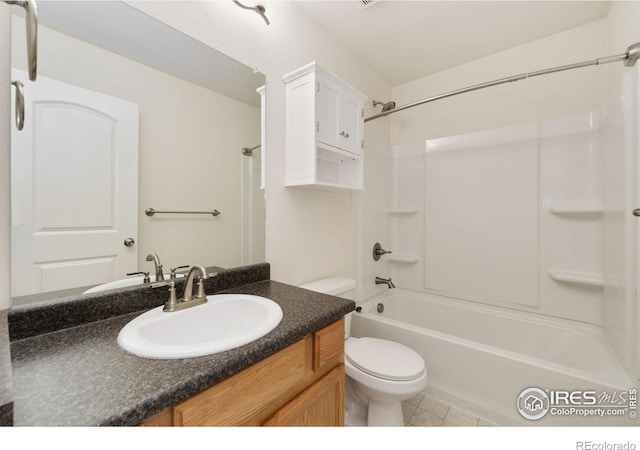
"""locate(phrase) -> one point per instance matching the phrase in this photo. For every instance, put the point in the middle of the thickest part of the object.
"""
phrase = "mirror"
(188, 111)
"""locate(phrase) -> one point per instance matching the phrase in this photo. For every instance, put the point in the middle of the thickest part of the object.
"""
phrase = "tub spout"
(386, 281)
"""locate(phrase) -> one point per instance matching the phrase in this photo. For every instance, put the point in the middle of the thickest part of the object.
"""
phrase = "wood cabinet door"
(235, 400)
(322, 404)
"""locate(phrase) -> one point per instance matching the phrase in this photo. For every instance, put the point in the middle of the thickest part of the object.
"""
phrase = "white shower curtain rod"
(629, 57)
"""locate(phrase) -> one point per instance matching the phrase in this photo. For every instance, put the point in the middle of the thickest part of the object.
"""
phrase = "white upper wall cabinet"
(324, 130)
(339, 115)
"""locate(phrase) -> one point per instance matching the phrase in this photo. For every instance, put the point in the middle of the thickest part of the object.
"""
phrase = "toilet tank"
(344, 287)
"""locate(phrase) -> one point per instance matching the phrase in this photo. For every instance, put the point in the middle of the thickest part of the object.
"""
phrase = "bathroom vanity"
(75, 374)
(300, 385)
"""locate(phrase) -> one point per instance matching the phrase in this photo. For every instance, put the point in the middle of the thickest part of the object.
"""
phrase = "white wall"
(5, 157)
(622, 31)
(544, 97)
(190, 142)
(371, 217)
(309, 233)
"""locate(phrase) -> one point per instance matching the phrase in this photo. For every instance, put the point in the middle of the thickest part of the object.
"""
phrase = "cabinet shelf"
(576, 209)
(407, 259)
(401, 212)
(333, 154)
(322, 186)
(581, 278)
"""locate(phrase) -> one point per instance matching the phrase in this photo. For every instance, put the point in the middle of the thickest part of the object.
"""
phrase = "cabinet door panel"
(350, 123)
(322, 404)
(328, 344)
(163, 419)
(328, 112)
(235, 400)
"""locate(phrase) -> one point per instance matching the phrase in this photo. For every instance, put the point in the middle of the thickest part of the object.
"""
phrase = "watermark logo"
(590, 445)
(534, 403)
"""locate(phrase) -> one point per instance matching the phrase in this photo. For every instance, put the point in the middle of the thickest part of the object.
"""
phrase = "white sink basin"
(126, 282)
(225, 322)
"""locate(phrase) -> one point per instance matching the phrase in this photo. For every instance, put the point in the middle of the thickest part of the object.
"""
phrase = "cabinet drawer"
(322, 404)
(328, 344)
(163, 419)
(238, 398)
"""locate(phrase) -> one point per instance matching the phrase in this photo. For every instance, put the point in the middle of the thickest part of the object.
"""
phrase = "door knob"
(129, 242)
(636, 212)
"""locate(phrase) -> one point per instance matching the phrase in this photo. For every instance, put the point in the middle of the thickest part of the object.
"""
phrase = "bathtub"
(481, 357)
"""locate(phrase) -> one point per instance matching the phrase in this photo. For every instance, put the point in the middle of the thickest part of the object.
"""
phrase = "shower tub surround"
(71, 372)
(471, 364)
(518, 244)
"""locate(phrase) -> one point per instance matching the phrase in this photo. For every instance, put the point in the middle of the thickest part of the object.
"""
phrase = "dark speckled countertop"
(6, 405)
(79, 376)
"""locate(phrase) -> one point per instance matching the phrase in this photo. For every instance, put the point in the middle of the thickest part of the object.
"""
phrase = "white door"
(74, 188)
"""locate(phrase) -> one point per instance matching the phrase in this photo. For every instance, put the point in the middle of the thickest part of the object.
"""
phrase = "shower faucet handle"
(378, 251)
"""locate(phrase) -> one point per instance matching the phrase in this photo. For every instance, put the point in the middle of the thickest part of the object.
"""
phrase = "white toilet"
(380, 373)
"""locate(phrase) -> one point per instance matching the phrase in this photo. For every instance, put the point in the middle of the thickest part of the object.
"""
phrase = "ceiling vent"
(366, 3)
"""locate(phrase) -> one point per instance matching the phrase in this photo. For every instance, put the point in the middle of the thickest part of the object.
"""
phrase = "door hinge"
(317, 86)
(318, 127)
(362, 144)
(362, 113)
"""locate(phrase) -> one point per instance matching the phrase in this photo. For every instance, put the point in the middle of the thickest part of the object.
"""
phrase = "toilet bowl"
(380, 373)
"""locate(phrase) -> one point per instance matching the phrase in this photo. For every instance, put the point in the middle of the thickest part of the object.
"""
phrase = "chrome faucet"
(386, 281)
(156, 262)
(188, 299)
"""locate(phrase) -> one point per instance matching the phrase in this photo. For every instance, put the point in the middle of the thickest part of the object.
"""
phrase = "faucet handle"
(146, 276)
(171, 304)
(378, 251)
(200, 287)
(173, 271)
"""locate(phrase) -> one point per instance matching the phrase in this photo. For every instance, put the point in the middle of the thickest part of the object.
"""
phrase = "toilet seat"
(385, 359)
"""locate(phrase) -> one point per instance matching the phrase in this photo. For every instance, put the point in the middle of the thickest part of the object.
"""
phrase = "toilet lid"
(385, 359)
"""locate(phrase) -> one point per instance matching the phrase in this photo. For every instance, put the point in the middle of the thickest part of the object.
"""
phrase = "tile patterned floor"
(424, 410)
